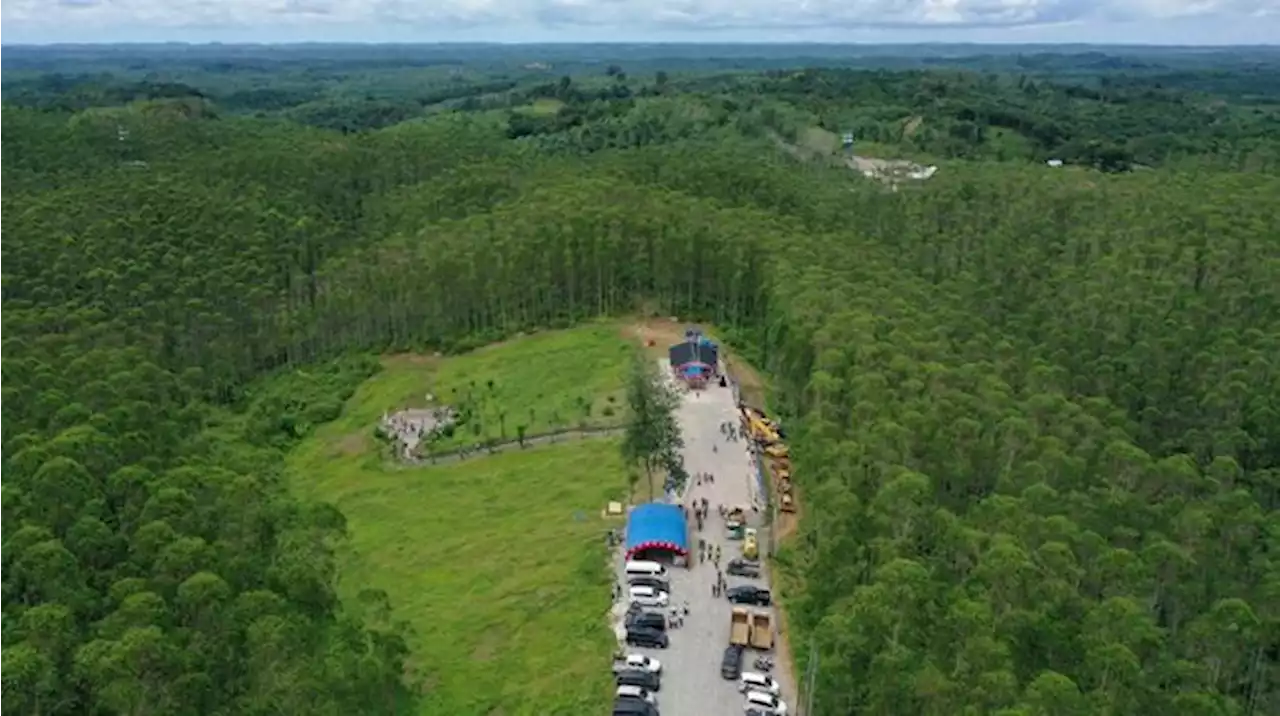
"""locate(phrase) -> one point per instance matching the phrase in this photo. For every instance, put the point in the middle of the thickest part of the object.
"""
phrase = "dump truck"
(761, 630)
(740, 627)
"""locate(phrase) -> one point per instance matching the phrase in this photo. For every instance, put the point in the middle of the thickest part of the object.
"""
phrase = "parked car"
(626, 691)
(635, 677)
(651, 620)
(766, 702)
(634, 707)
(640, 662)
(649, 581)
(643, 636)
(648, 597)
(753, 681)
(748, 594)
(743, 568)
(731, 663)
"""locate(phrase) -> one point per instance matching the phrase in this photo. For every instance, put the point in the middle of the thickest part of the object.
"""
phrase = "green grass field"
(545, 382)
(498, 562)
(543, 107)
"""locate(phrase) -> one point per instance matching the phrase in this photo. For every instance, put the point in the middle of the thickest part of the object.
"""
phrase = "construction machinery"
(740, 627)
(763, 430)
(788, 503)
(761, 630)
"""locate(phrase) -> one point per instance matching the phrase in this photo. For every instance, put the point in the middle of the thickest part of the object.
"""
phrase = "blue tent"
(656, 525)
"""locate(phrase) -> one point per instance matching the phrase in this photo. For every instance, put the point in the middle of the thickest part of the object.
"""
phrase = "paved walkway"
(691, 684)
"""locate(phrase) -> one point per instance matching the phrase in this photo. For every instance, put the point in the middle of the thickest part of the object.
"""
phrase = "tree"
(652, 438)
(1034, 412)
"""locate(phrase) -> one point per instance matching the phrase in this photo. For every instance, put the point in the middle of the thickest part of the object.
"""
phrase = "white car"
(635, 692)
(752, 681)
(641, 663)
(649, 597)
(765, 701)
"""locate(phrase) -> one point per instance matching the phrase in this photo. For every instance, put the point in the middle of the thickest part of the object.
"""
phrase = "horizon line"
(727, 43)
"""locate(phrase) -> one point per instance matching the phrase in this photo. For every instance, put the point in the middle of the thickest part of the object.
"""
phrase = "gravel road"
(691, 682)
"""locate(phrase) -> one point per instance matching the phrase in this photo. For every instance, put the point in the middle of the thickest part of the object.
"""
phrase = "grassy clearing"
(818, 141)
(543, 107)
(498, 563)
(545, 382)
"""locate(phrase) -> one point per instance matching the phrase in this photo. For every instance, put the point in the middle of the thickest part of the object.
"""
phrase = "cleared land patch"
(542, 383)
(544, 107)
(497, 563)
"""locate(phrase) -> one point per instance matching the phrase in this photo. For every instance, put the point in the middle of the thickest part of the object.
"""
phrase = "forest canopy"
(1035, 410)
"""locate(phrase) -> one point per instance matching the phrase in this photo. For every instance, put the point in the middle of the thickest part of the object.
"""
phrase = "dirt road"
(692, 685)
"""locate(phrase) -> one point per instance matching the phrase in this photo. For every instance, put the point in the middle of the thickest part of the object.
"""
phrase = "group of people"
(730, 431)
(708, 551)
(675, 619)
(720, 584)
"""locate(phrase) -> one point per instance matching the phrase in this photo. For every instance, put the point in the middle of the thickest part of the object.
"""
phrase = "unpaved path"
(692, 685)
(461, 454)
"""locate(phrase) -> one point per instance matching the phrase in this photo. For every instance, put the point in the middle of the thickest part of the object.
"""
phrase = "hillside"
(1033, 410)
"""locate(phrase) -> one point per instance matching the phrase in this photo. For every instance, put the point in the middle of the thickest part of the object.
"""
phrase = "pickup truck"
(761, 631)
(740, 627)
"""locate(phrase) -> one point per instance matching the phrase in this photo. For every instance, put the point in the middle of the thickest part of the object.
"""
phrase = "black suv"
(644, 636)
(633, 707)
(743, 568)
(648, 620)
(639, 677)
(731, 664)
(748, 594)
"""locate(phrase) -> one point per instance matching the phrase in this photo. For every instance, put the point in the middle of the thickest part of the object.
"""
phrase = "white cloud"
(439, 17)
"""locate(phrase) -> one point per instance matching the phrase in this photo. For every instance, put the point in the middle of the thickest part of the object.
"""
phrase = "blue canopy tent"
(657, 526)
(694, 361)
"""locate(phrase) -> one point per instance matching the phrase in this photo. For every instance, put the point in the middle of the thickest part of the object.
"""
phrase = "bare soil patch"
(911, 125)
(751, 386)
(787, 521)
(655, 334)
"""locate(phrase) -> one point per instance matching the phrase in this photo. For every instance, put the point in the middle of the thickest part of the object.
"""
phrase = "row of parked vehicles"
(751, 628)
(639, 677)
(647, 586)
(761, 692)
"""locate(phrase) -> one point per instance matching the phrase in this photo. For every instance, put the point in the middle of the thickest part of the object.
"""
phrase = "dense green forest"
(1035, 411)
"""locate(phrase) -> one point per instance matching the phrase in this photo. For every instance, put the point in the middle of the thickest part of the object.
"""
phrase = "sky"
(1192, 22)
